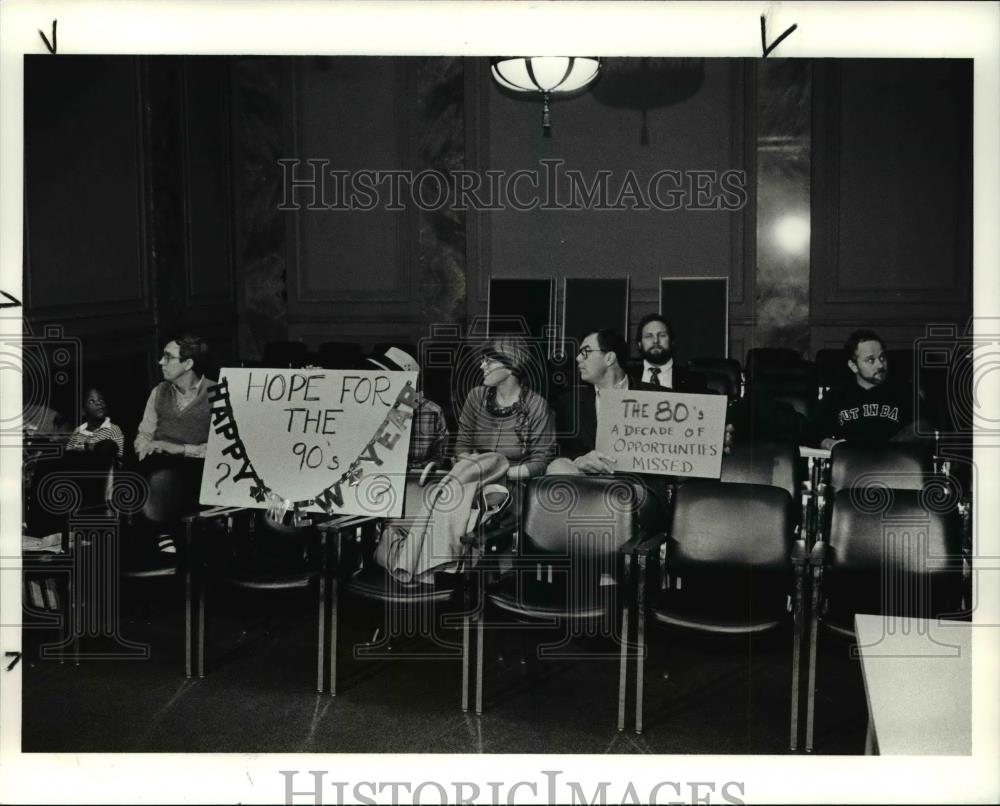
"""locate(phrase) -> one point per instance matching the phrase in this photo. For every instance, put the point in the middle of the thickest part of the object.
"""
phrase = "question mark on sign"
(222, 478)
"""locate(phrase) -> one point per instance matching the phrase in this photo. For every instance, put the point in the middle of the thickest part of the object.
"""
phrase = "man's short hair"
(193, 347)
(611, 341)
(858, 336)
(654, 317)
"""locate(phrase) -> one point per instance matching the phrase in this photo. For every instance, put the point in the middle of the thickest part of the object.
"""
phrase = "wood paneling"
(892, 212)
(353, 114)
(85, 250)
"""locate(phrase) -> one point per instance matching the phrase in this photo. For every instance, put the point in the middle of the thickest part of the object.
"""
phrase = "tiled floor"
(259, 696)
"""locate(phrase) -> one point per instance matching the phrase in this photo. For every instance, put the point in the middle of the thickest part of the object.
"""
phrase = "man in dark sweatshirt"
(871, 409)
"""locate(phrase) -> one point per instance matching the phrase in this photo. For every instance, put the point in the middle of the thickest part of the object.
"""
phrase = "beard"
(657, 355)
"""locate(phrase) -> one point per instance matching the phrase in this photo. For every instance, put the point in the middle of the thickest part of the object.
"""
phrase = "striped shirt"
(82, 437)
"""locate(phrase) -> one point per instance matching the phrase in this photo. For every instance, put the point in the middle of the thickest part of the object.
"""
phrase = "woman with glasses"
(504, 415)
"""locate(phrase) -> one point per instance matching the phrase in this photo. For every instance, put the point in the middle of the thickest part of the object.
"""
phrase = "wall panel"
(892, 204)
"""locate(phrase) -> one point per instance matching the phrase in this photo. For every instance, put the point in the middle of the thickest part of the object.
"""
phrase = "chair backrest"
(764, 358)
(901, 367)
(792, 377)
(583, 516)
(273, 548)
(831, 367)
(731, 525)
(280, 354)
(729, 367)
(766, 462)
(896, 465)
(719, 382)
(894, 552)
(341, 355)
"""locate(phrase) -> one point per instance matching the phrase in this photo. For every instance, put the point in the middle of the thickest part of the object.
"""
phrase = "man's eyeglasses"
(584, 352)
(170, 357)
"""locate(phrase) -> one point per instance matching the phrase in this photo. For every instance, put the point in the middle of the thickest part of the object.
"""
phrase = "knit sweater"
(187, 427)
(525, 436)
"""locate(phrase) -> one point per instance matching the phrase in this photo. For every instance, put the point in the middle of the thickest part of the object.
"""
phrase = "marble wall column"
(784, 157)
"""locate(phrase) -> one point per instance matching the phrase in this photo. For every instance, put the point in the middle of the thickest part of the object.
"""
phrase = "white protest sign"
(331, 441)
(667, 433)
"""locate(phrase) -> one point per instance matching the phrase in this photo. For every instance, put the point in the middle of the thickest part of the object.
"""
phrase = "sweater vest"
(188, 427)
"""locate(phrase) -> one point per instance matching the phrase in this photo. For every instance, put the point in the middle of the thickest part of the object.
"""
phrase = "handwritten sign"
(666, 433)
(331, 441)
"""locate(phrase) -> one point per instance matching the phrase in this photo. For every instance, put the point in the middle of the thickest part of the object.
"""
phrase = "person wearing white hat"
(429, 430)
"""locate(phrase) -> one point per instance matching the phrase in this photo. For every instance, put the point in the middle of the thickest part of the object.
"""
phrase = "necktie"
(654, 375)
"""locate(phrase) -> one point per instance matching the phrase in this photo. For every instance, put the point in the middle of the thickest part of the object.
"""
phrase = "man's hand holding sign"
(326, 440)
(665, 433)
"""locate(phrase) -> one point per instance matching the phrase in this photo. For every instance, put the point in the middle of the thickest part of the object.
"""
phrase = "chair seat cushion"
(729, 615)
(547, 601)
(373, 582)
(143, 560)
(718, 625)
(254, 578)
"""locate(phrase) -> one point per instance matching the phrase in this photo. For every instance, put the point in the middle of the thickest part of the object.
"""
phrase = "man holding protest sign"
(600, 361)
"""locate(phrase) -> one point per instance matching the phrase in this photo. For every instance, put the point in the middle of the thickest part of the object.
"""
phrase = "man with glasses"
(178, 413)
(173, 434)
(601, 361)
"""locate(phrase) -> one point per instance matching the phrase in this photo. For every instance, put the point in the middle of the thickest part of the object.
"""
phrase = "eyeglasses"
(170, 357)
(584, 352)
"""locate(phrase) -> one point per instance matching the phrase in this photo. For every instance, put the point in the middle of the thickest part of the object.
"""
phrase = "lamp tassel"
(546, 117)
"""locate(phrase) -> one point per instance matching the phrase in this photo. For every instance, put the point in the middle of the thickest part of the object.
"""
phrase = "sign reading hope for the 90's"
(669, 433)
(331, 441)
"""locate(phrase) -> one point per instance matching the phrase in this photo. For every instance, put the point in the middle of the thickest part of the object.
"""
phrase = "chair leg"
(465, 663)
(640, 641)
(201, 628)
(479, 663)
(623, 670)
(321, 637)
(798, 626)
(813, 640)
(334, 597)
(188, 624)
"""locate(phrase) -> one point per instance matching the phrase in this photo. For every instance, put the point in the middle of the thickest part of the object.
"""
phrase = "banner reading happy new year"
(332, 441)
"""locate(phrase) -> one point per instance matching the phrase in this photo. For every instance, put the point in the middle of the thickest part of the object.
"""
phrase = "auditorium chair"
(420, 615)
(897, 465)
(732, 568)
(889, 552)
(832, 369)
(285, 354)
(569, 571)
(264, 558)
(342, 355)
(729, 367)
(762, 359)
(793, 383)
(767, 462)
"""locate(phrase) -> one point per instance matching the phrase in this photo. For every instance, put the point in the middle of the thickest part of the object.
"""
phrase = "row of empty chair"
(603, 561)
